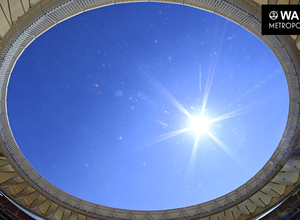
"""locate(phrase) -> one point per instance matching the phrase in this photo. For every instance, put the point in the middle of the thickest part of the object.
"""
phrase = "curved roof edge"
(271, 185)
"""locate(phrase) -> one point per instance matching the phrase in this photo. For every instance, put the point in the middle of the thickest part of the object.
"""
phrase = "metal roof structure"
(21, 21)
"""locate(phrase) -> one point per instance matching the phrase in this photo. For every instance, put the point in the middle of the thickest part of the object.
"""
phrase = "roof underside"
(29, 191)
(11, 10)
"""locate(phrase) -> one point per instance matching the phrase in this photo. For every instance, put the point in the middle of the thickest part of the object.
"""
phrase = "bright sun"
(199, 125)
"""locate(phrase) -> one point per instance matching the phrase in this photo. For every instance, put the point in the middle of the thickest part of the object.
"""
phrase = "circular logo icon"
(273, 15)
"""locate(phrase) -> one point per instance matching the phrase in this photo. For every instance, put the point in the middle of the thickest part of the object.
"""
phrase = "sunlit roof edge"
(47, 201)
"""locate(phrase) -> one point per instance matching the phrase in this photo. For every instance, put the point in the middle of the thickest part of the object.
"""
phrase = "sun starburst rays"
(224, 147)
(234, 113)
(166, 136)
(199, 126)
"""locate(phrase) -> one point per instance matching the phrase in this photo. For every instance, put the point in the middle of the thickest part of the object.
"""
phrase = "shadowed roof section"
(10, 211)
(24, 20)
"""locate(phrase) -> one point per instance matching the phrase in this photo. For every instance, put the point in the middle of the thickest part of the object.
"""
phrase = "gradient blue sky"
(90, 102)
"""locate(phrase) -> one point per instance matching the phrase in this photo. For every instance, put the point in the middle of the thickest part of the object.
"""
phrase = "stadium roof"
(24, 20)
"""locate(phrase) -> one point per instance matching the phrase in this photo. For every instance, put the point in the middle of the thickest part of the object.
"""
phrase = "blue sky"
(100, 105)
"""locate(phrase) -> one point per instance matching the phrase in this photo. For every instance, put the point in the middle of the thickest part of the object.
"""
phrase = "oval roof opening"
(104, 106)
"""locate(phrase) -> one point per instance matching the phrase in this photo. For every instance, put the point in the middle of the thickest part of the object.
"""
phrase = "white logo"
(288, 15)
(273, 15)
